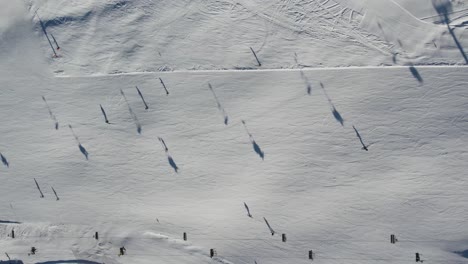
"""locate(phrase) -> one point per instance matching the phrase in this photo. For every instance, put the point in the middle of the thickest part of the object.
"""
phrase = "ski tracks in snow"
(304, 16)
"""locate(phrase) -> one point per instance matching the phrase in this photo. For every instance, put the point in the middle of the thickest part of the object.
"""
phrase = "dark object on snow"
(56, 196)
(257, 149)
(335, 112)
(416, 74)
(104, 113)
(185, 236)
(45, 33)
(311, 255)
(337, 116)
(39, 188)
(142, 98)
(122, 251)
(220, 108)
(269, 227)
(134, 117)
(255, 146)
(33, 251)
(172, 163)
(96, 236)
(163, 144)
(283, 237)
(248, 210)
(212, 252)
(164, 86)
(4, 160)
(393, 239)
(55, 41)
(255, 54)
(83, 151)
(418, 258)
(364, 147)
(52, 116)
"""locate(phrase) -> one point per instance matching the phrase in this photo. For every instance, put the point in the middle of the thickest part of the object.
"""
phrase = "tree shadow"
(172, 163)
(132, 114)
(43, 27)
(78, 261)
(306, 81)
(220, 107)
(444, 8)
(416, 74)
(4, 160)
(9, 222)
(337, 115)
(394, 57)
(52, 116)
(257, 149)
(83, 150)
(255, 146)
(462, 253)
(335, 112)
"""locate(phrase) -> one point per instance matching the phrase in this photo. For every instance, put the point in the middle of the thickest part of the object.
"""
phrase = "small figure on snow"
(33, 251)
(122, 251)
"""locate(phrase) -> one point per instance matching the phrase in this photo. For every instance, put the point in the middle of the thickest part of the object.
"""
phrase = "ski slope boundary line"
(263, 70)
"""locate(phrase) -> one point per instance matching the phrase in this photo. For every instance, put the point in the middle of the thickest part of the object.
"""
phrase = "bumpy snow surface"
(334, 122)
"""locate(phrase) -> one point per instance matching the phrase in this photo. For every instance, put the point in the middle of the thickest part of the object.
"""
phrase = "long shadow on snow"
(80, 261)
(462, 253)
(172, 163)
(307, 82)
(9, 222)
(335, 112)
(66, 19)
(255, 146)
(444, 8)
(416, 74)
(258, 150)
(83, 150)
(4, 160)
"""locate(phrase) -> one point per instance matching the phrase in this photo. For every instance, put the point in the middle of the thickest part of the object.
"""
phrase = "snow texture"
(214, 145)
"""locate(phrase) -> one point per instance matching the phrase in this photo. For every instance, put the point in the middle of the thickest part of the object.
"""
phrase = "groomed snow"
(283, 141)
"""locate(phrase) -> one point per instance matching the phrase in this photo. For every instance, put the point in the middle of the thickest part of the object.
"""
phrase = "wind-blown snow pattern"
(324, 144)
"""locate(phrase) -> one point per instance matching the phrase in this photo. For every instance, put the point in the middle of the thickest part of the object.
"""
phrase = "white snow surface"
(137, 36)
(322, 77)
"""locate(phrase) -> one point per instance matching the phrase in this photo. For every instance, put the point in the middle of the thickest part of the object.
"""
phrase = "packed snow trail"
(315, 184)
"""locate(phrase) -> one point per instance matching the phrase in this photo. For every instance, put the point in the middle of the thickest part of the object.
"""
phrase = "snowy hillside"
(183, 150)
(141, 35)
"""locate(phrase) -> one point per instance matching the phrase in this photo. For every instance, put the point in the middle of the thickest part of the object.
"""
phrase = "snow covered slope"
(315, 183)
(287, 142)
(140, 35)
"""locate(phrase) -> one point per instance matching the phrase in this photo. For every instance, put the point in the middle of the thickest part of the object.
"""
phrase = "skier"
(33, 251)
(122, 251)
